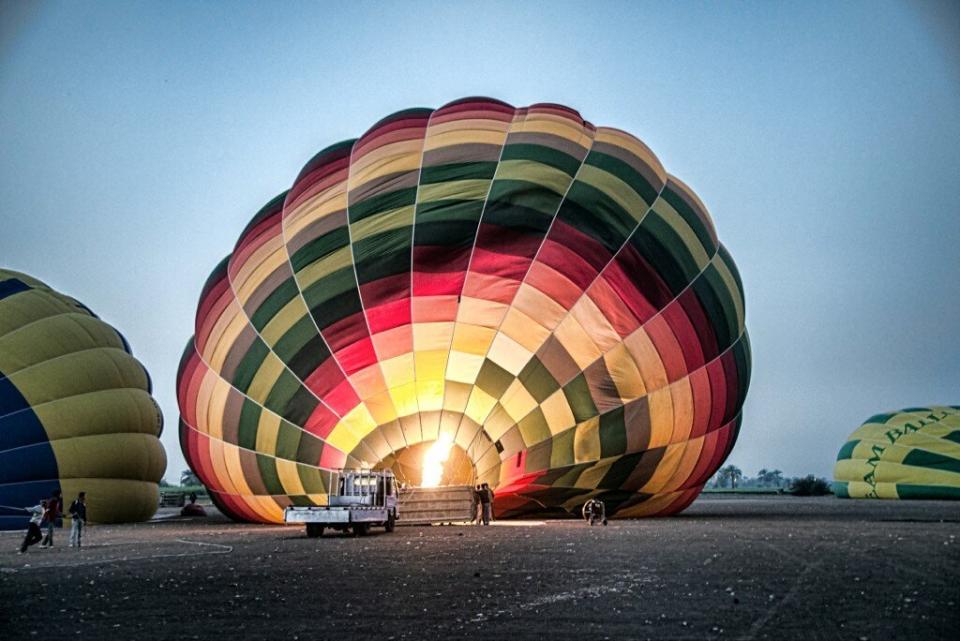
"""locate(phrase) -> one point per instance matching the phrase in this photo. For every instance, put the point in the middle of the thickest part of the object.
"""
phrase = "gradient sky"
(139, 138)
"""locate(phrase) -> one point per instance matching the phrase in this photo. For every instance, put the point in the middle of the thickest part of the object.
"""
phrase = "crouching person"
(594, 511)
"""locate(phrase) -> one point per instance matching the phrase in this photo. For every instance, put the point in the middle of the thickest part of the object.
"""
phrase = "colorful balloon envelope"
(910, 454)
(76, 412)
(536, 293)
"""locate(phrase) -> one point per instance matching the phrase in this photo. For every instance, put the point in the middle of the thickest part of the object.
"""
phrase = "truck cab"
(358, 499)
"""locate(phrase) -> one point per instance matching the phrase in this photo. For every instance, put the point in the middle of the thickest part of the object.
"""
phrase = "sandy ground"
(729, 567)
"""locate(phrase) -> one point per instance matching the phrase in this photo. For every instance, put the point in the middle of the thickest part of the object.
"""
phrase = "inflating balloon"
(532, 291)
(75, 409)
(910, 454)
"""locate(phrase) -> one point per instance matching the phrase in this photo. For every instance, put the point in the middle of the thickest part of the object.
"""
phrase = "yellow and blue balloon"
(76, 411)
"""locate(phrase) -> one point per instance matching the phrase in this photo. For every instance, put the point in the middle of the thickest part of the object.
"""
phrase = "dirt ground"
(729, 567)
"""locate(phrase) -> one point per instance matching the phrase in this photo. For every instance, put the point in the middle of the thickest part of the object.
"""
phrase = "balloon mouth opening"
(434, 459)
(435, 463)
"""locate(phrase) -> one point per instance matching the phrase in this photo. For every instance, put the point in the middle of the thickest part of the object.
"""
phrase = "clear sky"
(139, 138)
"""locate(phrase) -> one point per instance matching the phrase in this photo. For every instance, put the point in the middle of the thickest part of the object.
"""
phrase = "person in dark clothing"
(477, 514)
(33, 527)
(486, 502)
(78, 515)
(594, 511)
(53, 514)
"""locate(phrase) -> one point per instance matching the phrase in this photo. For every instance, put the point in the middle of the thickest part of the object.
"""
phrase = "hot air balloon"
(76, 412)
(910, 454)
(533, 293)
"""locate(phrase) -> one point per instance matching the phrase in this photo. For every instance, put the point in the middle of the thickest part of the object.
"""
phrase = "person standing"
(486, 502)
(78, 515)
(492, 496)
(33, 527)
(54, 510)
(477, 513)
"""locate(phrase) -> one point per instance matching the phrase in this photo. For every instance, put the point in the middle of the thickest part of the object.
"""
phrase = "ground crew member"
(33, 527)
(477, 513)
(486, 502)
(54, 510)
(78, 513)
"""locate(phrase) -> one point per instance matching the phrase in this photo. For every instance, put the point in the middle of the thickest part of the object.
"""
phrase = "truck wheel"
(361, 529)
(314, 530)
(391, 523)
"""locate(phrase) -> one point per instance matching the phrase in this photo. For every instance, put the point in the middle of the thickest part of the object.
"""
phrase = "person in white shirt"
(33, 527)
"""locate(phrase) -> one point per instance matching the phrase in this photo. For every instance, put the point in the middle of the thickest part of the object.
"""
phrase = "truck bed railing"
(358, 487)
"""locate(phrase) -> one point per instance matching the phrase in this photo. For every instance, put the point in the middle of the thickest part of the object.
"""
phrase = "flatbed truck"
(357, 501)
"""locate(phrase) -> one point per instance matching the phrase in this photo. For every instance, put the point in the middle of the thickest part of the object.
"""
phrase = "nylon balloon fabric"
(531, 288)
(76, 412)
(910, 454)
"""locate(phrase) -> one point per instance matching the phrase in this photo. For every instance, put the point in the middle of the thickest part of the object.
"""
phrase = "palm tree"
(733, 473)
(187, 477)
(770, 477)
(736, 474)
(776, 478)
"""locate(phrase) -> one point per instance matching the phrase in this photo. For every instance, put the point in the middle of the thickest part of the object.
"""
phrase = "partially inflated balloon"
(533, 289)
(910, 454)
(75, 409)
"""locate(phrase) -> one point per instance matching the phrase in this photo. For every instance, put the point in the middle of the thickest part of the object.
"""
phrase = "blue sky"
(139, 138)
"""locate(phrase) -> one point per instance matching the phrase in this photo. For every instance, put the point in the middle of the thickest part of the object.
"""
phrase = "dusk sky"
(139, 138)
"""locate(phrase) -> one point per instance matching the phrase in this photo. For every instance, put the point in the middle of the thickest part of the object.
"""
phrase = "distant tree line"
(189, 482)
(728, 477)
(732, 477)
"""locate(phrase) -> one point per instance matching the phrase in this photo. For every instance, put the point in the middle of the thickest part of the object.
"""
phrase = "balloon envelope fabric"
(533, 289)
(910, 454)
(76, 412)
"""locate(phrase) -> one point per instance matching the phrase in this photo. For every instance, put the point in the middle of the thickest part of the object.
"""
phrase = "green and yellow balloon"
(76, 411)
(532, 296)
(910, 454)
